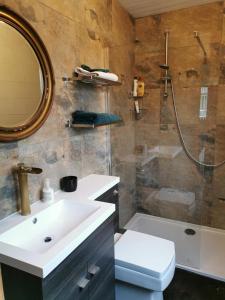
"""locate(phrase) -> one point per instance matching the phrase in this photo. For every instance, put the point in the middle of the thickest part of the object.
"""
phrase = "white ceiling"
(143, 8)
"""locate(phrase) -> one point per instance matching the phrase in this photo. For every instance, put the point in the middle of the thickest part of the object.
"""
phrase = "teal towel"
(87, 68)
(82, 117)
(104, 118)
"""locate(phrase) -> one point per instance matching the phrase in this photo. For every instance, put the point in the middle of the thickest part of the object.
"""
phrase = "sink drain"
(190, 231)
(48, 239)
(34, 220)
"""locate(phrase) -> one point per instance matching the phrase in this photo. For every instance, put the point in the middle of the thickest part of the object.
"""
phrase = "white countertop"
(92, 186)
(41, 264)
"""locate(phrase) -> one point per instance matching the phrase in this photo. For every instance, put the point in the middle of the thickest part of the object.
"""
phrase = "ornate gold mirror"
(26, 78)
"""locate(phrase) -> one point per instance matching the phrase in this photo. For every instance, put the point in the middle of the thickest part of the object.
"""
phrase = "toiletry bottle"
(135, 86)
(140, 87)
(136, 106)
(47, 192)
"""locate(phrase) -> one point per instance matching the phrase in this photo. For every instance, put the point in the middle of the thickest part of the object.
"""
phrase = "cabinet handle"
(93, 270)
(82, 284)
(115, 192)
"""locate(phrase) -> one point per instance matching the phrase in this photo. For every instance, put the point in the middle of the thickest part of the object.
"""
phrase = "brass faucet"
(22, 172)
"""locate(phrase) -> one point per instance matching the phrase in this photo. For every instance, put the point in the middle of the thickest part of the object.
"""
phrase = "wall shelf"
(91, 79)
(69, 124)
(131, 96)
(142, 109)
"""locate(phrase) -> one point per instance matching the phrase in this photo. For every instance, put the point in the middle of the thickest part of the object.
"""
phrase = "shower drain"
(47, 239)
(190, 231)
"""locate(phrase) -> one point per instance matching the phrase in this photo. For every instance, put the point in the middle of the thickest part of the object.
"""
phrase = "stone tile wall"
(176, 174)
(121, 59)
(101, 33)
(74, 32)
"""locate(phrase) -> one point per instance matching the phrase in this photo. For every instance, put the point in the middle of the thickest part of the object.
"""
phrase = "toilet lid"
(144, 253)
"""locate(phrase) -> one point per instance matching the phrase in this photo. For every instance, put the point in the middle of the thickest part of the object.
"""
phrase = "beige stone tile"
(220, 113)
(147, 66)
(189, 74)
(188, 68)
(147, 134)
(218, 183)
(207, 19)
(220, 144)
(182, 23)
(56, 31)
(179, 173)
(74, 32)
(73, 9)
(149, 34)
(223, 24)
(188, 105)
(29, 9)
(121, 61)
(120, 19)
(90, 50)
(98, 20)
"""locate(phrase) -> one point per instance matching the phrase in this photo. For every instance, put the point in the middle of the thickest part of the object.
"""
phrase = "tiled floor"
(189, 286)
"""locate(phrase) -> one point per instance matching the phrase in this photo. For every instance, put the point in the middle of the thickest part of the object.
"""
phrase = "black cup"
(68, 183)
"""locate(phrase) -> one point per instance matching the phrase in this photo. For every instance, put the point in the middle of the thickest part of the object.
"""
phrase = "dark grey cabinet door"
(82, 272)
(81, 276)
(107, 289)
(112, 196)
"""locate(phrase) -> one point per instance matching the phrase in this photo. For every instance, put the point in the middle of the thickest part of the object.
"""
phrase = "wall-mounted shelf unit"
(91, 79)
(131, 96)
(137, 97)
(140, 103)
(69, 124)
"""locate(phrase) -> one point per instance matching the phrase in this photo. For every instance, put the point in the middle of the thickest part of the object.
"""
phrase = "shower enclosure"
(167, 189)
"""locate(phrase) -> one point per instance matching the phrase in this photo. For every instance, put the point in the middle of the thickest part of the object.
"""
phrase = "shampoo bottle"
(47, 192)
(140, 87)
(135, 87)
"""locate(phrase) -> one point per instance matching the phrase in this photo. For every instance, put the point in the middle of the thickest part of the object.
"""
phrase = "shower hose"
(188, 153)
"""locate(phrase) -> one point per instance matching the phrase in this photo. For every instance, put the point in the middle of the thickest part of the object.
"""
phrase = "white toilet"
(144, 266)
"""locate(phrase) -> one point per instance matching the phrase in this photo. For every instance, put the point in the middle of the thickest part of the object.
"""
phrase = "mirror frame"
(40, 116)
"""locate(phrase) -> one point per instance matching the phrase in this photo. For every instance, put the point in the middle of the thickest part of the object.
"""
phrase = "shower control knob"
(115, 192)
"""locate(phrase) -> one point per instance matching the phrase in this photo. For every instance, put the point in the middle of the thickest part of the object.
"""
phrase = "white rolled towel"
(82, 71)
(104, 75)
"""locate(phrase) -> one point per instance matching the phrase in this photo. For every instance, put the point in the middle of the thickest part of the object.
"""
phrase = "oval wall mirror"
(26, 78)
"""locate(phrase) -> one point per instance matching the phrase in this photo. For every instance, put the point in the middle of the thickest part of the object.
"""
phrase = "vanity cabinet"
(112, 196)
(86, 274)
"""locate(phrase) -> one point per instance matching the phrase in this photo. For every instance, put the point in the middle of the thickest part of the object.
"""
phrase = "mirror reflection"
(21, 79)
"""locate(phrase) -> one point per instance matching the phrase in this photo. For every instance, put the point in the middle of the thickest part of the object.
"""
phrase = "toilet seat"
(144, 260)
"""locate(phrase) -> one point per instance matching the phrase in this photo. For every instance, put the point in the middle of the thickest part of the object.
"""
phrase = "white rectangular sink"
(38, 243)
(42, 231)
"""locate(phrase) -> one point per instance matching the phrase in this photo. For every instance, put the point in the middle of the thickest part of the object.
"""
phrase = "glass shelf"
(91, 79)
(69, 124)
